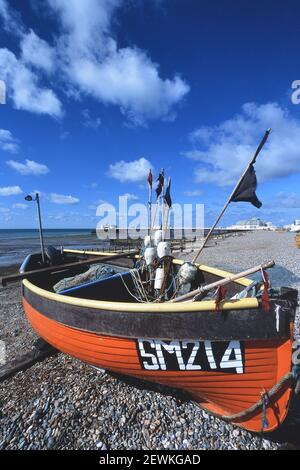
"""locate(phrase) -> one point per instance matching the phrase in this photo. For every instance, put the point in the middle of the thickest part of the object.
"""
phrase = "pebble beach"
(61, 403)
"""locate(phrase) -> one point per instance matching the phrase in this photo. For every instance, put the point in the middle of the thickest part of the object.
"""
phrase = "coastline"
(64, 404)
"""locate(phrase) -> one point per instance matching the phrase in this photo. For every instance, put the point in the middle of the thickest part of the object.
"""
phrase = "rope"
(141, 294)
(129, 291)
(252, 409)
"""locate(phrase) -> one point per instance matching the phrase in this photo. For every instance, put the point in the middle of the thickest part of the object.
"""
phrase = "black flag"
(150, 179)
(167, 196)
(160, 182)
(245, 192)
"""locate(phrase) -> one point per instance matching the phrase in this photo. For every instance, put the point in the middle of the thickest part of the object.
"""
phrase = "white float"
(157, 237)
(159, 277)
(150, 255)
(147, 241)
(163, 249)
(187, 273)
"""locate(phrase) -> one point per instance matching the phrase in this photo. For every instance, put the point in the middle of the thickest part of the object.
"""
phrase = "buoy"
(159, 277)
(150, 255)
(163, 249)
(147, 241)
(187, 273)
(157, 237)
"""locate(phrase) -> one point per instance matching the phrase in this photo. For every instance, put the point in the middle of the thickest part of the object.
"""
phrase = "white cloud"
(134, 171)
(4, 210)
(89, 62)
(224, 150)
(93, 63)
(97, 203)
(286, 200)
(30, 167)
(21, 81)
(20, 206)
(8, 142)
(10, 19)
(129, 79)
(90, 122)
(130, 197)
(62, 199)
(37, 52)
(10, 190)
(23, 87)
(196, 192)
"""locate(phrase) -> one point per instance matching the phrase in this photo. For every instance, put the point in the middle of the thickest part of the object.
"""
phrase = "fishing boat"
(233, 359)
(224, 339)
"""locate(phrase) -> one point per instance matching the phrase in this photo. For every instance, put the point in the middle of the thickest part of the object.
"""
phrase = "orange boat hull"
(222, 393)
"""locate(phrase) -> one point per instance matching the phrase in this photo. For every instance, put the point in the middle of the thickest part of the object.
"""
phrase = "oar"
(259, 148)
(62, 267)
(222, 282)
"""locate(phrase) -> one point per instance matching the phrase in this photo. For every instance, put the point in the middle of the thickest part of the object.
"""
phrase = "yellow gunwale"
(208, 269)
(183, 307)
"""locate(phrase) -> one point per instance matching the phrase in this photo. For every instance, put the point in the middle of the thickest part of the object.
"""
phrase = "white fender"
(150, 255)
(147, 241)
(159, 277)
(187, 273)
(163, 249)
(157, 237)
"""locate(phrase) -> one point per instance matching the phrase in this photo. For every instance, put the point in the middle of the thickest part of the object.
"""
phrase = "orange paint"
(266, 362)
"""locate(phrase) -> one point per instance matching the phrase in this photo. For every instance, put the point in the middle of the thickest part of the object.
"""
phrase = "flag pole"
(169, 204)
(149, 212)
(159, 192)
(150, 204)
(259, 148)
(162, 205)
(166, 225)
(154, 217)
(162, 216)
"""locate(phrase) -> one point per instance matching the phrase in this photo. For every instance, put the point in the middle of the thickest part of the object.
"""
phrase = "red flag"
(220, 295)
(150, 179)
(265, 295)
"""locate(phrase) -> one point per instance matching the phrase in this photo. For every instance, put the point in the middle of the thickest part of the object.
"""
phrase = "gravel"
(62, 403)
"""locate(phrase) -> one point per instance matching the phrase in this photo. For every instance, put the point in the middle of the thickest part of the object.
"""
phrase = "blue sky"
(99, 90)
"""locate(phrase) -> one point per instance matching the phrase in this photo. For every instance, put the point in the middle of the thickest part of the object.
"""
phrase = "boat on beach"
(224, 339)
(234, 359)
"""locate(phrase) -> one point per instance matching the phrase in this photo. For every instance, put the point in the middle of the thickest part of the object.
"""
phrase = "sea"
(16, 244)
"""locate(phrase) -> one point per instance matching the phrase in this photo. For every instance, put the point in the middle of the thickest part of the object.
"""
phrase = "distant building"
(295, 227)
(252, 224)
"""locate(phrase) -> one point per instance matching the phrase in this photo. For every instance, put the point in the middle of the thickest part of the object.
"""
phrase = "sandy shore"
(64, 404)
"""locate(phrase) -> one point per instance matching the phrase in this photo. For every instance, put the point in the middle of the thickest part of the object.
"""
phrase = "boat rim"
(204, 305)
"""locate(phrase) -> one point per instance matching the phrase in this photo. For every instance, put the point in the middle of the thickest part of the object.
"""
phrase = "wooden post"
(262, 143)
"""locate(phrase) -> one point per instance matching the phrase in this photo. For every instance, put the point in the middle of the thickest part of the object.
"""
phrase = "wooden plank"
(42, 351)
(62, 267)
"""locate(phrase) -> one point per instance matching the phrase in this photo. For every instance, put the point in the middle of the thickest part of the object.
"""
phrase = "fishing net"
(95, 273)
